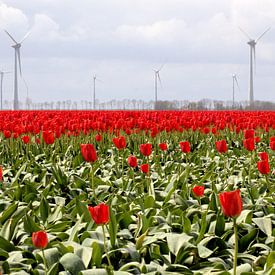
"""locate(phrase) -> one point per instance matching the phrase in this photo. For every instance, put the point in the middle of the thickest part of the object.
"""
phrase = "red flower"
(98, 138)
(48, 137)
(231, 203)
(119, 142)
(7, 134)
(206, 130)
(272, 143)
(40, 239)
(25, 139)
(88, 152)
(163, 146)
(263, 156)
(1, 173)
(249, 134)
(249, 144)
(132, 161)
(263, 167)
(146, 149)
(144, 168)
(221, 146)
(185, 146)
(198, 190)
(100, 213)
(257, 139)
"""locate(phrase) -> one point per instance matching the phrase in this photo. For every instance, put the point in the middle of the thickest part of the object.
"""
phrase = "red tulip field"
(137, 192)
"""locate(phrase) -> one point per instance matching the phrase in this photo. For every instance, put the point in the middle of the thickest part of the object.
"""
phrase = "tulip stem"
(267, 184)
(236, 246)
(45, 262)
(93, 184)
(249, 181)
(105, 248)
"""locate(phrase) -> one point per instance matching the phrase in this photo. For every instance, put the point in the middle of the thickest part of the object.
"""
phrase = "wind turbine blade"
(160, 68)
(11, 37)
(159, 79)
(25, 36)
(262, 34)
(245, 33)
(27, 88)
(236, 80)
(19, 60)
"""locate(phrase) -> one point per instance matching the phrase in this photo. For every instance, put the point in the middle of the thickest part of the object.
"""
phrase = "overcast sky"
(122, 41)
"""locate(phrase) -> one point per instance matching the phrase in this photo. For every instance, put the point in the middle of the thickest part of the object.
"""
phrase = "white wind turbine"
(17, 59)
(94, 94)
(157, 79)
(234, 81)
(252, 61)
(1, 86)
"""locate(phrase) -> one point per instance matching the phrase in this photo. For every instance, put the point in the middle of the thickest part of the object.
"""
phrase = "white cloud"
(12, 18)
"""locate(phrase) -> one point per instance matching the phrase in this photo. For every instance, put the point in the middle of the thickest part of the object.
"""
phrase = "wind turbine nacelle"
(251, 43)
(16, 46)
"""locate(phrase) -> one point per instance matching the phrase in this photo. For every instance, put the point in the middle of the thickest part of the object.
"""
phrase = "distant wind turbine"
(94, 94)
(157, 79)
(234, 81)
(1, 86)
(17, 59)
(252, 61)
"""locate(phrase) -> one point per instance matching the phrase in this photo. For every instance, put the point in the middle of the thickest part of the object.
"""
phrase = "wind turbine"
(1, 86)
(94, 97)
(157, 78)
(252, 61)
(17, 59)
(234, 80)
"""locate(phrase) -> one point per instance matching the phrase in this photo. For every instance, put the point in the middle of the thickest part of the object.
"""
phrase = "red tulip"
(221, 146)
(88, 152)
(25, 139)
(48, 137)
(119, 142)
(206, 130)
(146, 149)
(98, 138)
(231, 203)
(40, 239)
(7, 134)
(257, 139)
(263, 167)
(144, 168)
(132, 161)
(263, 156)
(249, 144)
(37, 140)
(198, 190)
(163, 146)
(185, 146)
(249, 134)
(100, 213)
(272, 143)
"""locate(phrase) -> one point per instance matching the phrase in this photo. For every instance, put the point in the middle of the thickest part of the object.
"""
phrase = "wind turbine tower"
(252, 61)
(234, 80)
(17, 59)
(94, 78)
(157, 79)
(1, 86)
